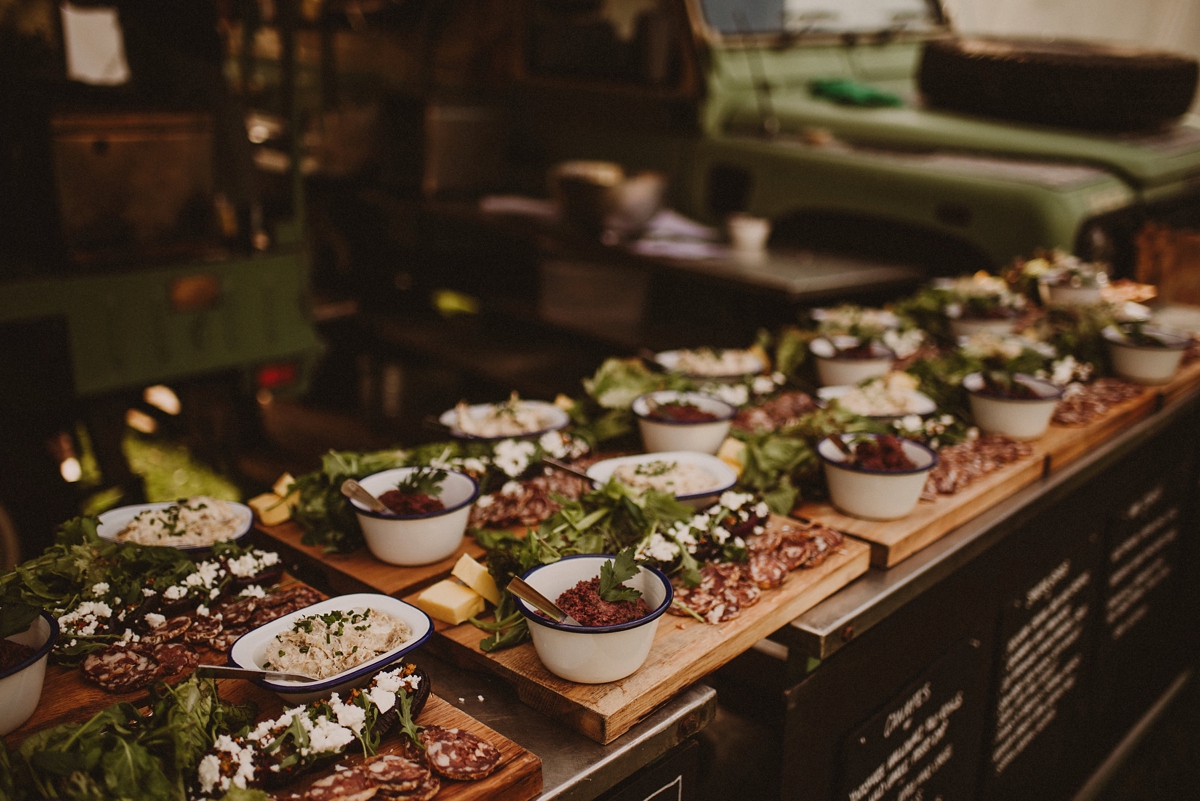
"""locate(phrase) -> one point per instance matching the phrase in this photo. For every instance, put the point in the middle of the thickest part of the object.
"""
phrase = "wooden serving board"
(893, 541)
(684, 651)
(1065, 444)
(359, 571)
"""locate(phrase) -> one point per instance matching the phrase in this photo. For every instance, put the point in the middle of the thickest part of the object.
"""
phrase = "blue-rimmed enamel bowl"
(21, 684)
(875, 494)
(550, 418)
(720, 476)
(1017, 418)
(252, 649)
(417, 539)
(112, 522)
(593, 654)
(664, 434)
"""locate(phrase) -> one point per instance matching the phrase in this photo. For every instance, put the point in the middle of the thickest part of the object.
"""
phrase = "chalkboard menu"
(914, 749)
(1043, 656)
(1143, 552)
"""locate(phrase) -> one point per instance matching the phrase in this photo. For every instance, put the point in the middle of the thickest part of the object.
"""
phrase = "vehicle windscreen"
(821, 16)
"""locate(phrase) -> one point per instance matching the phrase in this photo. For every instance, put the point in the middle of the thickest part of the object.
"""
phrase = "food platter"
(720, 475)
(550, 418)
(112, 522)
(746, 363)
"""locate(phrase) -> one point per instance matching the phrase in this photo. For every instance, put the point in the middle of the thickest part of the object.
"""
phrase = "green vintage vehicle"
(811, 113)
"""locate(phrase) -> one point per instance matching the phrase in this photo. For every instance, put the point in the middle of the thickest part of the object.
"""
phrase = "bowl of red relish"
(428, 514)
(876, 476)
(682, 421)
(620, 635)
(23, 658)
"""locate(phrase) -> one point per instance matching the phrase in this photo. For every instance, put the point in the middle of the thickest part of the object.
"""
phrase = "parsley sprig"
(614, 573)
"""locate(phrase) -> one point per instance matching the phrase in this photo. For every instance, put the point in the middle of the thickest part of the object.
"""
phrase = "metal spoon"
(842, 446)
(230, 672)
(352, 489)
(520, 588)
(566, 468)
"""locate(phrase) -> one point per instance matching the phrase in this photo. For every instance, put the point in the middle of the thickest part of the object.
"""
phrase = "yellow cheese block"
(282, 483)
(270, 509)
(450, 602)
(476, 576)
(732, 452)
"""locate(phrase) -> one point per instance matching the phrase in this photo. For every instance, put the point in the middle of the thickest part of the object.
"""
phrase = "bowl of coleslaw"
(189, 524)
(696, 479)
(512, 419)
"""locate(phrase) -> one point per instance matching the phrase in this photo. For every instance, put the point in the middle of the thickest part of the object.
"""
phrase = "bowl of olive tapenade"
(1145, 355)
(1016, 405)
(617, 604)
(847, 360)
(23, 670)
(875, 476)
(428, 512)
(682, 421)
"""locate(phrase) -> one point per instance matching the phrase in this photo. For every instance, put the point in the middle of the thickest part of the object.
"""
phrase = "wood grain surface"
(684, 651)
(67, 697)
(359, 571)
(893, 541)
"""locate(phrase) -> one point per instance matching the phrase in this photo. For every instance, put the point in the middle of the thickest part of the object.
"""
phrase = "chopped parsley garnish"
(613, 573)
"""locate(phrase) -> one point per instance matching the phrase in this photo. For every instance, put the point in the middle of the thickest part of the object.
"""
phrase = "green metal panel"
(124, 331)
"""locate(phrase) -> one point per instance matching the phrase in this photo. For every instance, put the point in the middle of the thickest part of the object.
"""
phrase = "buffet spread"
(682, 508)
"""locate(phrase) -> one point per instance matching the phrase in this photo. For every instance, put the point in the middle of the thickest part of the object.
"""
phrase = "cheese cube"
(476, 576)
(450, 602)
(282, 483)
(270, 509)
(732, 452)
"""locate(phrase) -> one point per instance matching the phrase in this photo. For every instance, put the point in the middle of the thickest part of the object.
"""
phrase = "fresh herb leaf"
(422, 481)
(614, 573)
(408, 726)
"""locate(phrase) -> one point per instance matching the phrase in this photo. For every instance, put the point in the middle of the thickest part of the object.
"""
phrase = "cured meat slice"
(203, 631)
(396, 773)
(225, 640)
(175, 658)
(1083, 403)
(283, 603)
(825, 541)
(171, 630)
(959, 465)
(767, 541)
(426, 790)
(459, 754)
(236, 611)
(120, 668)
(344, 785)
(768, 569)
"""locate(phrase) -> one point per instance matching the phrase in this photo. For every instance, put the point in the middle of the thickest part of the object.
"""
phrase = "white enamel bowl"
(1017, 418)
(114, 520)
(1146, 364)
(593, 654)
(669, 360)
(837, 370)
(1068, 295)
(417, 539)
(723, 476)
(550, 416)
(252, 649)
(21, 684)
(682, 435)
(967, 326)
(916, 403)
(875, 494)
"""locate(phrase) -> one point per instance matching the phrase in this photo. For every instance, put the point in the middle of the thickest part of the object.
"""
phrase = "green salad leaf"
(614, 574)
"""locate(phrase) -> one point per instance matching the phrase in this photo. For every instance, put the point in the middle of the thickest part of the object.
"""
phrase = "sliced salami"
(203, 631)
(459, 754)
(344, 785)
(120, 668)
(225, 640)
(236, 611)
(768, 569)
(396, 774)
(426, 790)
(175, 658)
(171, 630)
(767, 541)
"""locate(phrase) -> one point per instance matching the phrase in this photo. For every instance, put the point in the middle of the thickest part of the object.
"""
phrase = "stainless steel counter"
(574, 768)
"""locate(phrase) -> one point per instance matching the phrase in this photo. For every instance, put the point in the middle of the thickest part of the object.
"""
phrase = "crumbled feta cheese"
(351, 716)
(99, 588)
(175, 593)
(512, 456)
(254, 590)
(149, 593)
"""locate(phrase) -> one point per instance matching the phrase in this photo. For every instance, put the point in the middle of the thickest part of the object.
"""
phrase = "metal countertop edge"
(819, 632)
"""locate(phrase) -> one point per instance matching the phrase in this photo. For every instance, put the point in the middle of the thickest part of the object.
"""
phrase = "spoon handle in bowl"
(352, 489)
(522, 589)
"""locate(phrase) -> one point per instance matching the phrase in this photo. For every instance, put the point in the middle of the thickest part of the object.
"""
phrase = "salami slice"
(203, 631)
(225, 640)
(425, 791)
(237, 611)
(344, 785)
(171, 630)
(396, 774)
(175, 657)
(120, 668)
(459, 754)
(768, 569)
(767, 541)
